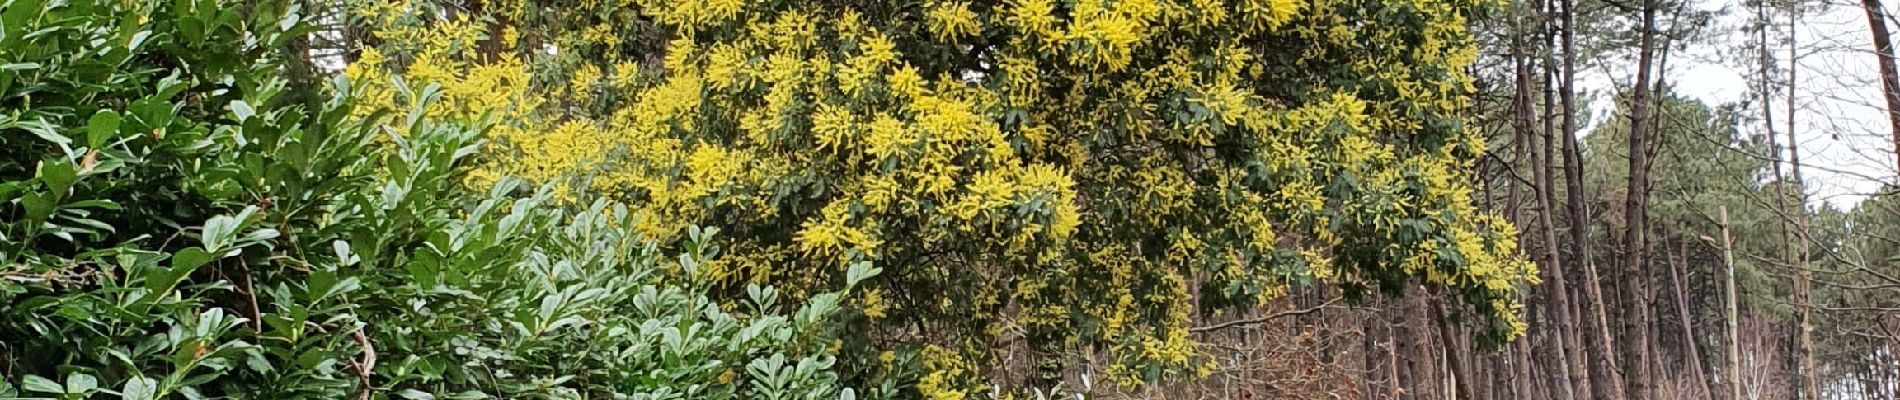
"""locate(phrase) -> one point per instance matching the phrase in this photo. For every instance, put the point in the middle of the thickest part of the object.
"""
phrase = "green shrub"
(171, 226)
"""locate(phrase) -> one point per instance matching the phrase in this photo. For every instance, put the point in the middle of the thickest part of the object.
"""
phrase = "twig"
(250, 293)
(1267, 318)
(363, 367)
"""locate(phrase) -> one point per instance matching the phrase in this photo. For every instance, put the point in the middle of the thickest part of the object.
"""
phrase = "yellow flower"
(585, 82)
(1035, 17)
(905, 81)
(726, 67)
(834, 127)
(879, 50)
(887, 137)
(951, 20)
(873, 305)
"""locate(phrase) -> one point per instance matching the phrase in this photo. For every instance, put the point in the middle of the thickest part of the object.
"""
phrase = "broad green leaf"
(139, 388)
(38, 205)
(221, 231)
(79, 383)
(138, 40)
(95, 203)
(290, 19)
(191, 258)
(58, 175)
(162, 280)
(35, 383)
(860, 271)
(170, 86)
(343, 255)
(260, 235)
(101, 128)
(45, 131)
(242, 110)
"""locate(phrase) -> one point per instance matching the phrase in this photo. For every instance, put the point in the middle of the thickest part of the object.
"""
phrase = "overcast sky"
(1846, 150)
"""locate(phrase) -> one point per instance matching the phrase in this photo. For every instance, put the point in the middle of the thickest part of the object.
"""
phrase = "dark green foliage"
(171, 226)
(1703, 162)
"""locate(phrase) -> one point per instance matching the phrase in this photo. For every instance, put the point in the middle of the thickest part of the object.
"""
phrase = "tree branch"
(1267, 318)
(364, 366)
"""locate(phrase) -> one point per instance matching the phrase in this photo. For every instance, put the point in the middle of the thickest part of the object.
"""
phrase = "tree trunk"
(1460, 371)
(1734, 334)
(1889, 80)
(1774, 144)
(490, 48)
(1398, 377)
(300, 70)
(1567, 311)
(1653, 331)
(1421, 356)
(1602, 364)
(1635, 262)
(1523, 386)
(1804, 341)
(1558, 295)
(1692, 354)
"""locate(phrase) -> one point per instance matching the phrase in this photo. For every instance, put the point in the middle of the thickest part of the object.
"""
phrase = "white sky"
(1845, 147)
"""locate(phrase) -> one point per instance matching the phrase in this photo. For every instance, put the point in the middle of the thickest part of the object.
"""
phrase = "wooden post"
(1734, 334)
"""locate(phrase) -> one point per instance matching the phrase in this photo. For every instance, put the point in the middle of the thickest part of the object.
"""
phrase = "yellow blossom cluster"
(1072, 168)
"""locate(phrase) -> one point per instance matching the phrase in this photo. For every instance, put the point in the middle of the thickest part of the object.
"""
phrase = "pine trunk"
(1456, 365)
(1602, 364)
(1691, 353)
(1804, 339)
(1635, 260)
(1889, 80)
(1557, 295)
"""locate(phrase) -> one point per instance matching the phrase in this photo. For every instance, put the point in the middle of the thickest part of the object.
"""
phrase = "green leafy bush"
(172, 227)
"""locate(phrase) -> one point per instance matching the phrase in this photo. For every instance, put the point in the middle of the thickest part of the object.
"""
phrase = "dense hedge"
(171, 227)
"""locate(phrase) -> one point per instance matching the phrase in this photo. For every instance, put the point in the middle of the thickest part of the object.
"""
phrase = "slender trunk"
(1488, 369)
(1397, 378)
(1734, 334)
(1893, 371)
(1804, 342)
(1459, 369)
(1602, 365)
(1692, 354)
(1521, 370)
(1512, 209)
(1657, 112)
(1421, 356)
(1368, 350)
(1558, 295)
(1774, 145)
(1575, 388)
(1889, 80)
(1768, 120)
(1522, 386)
(1635, 205)
(1567, 311)
(1804, 345)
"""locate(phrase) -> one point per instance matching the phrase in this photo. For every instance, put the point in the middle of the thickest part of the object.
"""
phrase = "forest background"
(1565, 199)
